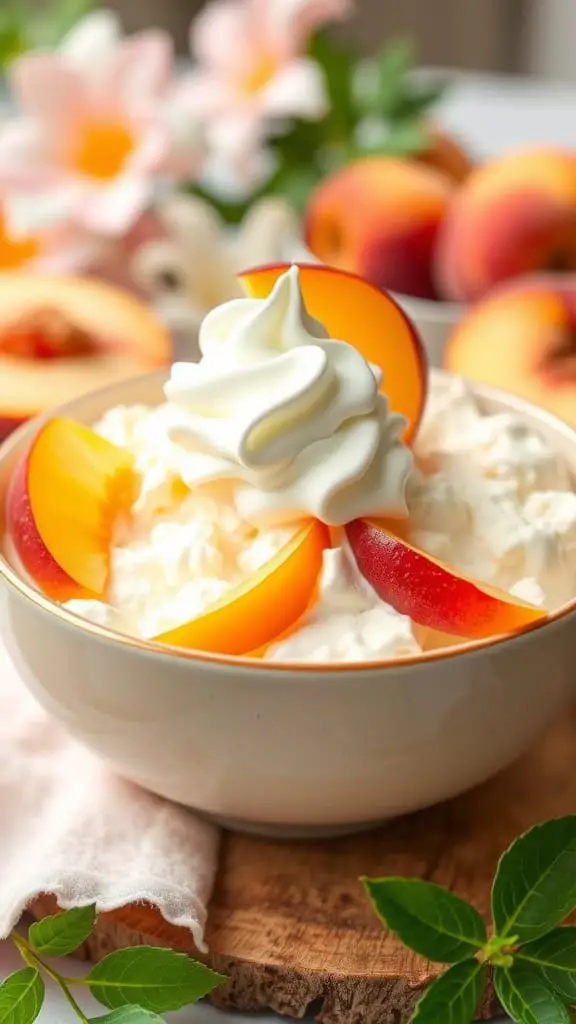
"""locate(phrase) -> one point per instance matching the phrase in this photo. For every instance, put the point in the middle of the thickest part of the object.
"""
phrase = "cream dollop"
(294, 417)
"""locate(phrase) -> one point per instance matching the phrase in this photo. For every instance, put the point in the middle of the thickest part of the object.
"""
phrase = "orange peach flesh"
(265, 606)
(431, 593)
(124, 336)
(522, 339)
(61, 506)
(355, 311)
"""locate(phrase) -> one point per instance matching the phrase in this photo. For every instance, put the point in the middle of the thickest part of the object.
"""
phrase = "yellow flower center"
(260, 74)
(101, 149)
(15, 252)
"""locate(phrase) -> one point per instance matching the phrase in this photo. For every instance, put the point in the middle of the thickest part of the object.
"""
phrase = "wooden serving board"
(289, 922)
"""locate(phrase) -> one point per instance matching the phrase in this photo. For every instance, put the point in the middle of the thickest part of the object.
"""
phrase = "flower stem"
(33, 960)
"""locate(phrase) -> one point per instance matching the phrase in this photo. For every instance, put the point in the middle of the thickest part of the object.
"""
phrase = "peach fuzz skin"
(61, 336)
(354, 311)
(379, 217)
(430, 593)
(515, 215)
(62, 501)
(522, 337)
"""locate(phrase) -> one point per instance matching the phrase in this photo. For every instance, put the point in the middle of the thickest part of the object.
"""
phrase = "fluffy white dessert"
(293, 417)
(485, 494)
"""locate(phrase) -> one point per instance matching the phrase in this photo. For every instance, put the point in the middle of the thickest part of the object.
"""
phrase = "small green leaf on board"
(156, 979)
(428, 919)
(454, 997)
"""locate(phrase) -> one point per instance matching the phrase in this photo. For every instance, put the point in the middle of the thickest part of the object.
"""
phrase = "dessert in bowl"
(265, 589)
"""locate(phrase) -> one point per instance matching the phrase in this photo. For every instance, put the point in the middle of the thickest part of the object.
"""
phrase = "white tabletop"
(490, 114)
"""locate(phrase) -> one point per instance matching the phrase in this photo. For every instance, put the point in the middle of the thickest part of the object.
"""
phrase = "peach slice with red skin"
(432, 593)
(358, 312)
(62, 502)
(266, 605)
(61, 336)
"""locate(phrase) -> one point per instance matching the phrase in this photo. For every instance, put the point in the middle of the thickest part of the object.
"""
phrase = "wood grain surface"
(289, 922)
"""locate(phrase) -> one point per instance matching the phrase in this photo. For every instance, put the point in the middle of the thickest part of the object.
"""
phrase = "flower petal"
(92, 40)
(297, 90)
(151, 152)
(205, 95)
(238, 163)
(48, 90)
(112, 210)
(30, 213)
(139, 72)
(24, 160)
(299, 19)
(185, 139)
(226, 38)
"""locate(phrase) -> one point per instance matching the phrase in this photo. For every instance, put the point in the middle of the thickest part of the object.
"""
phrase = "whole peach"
(512, 216)
(379, 217)
(522, 337)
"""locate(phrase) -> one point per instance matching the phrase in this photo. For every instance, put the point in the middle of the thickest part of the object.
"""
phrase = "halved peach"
(62, 502)
(61, 336)
(355, 311)
(255, 613)
(432, 593)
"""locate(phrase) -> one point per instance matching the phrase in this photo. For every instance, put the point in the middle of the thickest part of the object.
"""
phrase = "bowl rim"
(26, 590)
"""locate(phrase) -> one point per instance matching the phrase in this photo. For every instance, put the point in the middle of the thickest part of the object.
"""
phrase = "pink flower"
(96, 131)
(252, 69)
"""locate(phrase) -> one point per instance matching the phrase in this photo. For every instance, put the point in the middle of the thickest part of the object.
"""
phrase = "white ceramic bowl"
(434, 322)
(283, 749)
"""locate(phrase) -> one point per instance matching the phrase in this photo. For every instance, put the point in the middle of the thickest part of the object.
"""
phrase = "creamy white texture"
(489, 497)
(348, 623)
(293, 417)
(493, 498)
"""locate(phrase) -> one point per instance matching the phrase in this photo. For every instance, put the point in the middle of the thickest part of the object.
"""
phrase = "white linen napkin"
(71, 828)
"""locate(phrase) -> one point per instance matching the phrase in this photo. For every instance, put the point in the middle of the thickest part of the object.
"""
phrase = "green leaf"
(427, 918)
(406, 139)
(49, 26)
(295, 185)
(535, 884)
(454, 997)
(527, 998)
(338, 66)
(156, 979)
(555, 955)
(129, 1015)
(61, 934)
(417, 100)
(393, 64)
(398, 140)
(13, 40)
(21, 997)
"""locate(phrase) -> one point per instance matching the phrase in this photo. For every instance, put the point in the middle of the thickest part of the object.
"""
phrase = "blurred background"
(530, 36)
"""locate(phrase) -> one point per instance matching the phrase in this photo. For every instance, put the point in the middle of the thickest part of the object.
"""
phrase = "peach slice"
(62, 502)
(63, 336)
(432, 593)
(355, 311)
(255, 613)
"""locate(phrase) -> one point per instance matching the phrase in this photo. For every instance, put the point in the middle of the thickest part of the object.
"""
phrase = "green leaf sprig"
(532, 956)
(135, 984)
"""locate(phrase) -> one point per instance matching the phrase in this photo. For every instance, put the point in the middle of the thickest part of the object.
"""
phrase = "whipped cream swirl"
(294, 417)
